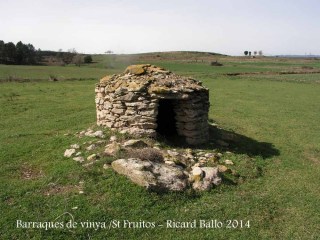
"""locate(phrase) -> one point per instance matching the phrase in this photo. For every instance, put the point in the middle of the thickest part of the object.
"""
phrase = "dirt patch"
(9, 201)
(29, 172)
(313, 157)
(55, 189)
(147, 154)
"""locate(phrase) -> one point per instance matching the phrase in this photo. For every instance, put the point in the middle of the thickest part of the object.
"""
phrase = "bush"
(216, 63)
(87, 59)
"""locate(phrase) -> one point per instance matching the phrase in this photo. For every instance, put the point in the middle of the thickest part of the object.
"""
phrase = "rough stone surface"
(135, 143)
(129, 102)
(92, 157)
(135, 69)
(171, 163)
(197, 174)
(113, 138)
(91, 147)
(228, 162)
(78, 159)
(112, 148)
(78, 154)
(210, 178)
(75, 146)
(222, 168)
(172, 153)
(151, 175)
(157, 168)
(69, 152)
(89, 133)
(98, 134)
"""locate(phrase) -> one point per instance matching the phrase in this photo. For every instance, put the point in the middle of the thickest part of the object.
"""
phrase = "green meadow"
(277, 152)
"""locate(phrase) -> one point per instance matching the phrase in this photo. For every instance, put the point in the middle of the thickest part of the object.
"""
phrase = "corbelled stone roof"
(151, 79)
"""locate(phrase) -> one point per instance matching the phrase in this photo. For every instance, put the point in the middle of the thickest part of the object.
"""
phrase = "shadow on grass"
(237, 143)
(249, 162)
(225, 140)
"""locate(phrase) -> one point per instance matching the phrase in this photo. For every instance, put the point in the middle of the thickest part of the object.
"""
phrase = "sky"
(123, 26)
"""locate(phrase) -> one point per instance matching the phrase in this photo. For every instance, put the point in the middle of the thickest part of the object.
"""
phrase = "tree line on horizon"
(246, 53)
(26, 54)
(19, 53)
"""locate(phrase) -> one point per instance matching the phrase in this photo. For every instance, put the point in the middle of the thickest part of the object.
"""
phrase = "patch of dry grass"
(146, 154)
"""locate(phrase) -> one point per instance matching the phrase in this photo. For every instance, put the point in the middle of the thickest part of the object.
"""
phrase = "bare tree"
(67, 57)
(260, 53)
(77, 60)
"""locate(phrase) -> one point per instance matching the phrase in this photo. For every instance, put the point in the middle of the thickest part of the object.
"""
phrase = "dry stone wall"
(192, 118)
(129, 102)
(134, 113)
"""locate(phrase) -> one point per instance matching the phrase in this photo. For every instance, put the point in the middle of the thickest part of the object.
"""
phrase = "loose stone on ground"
(151, 166)
(69, 152)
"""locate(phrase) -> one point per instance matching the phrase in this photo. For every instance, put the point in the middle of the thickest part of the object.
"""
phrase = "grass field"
(276, 115)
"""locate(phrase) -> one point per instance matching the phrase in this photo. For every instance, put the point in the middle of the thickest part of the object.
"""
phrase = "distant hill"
(50, 57)
(181, 53)
(298, 56)
(172, 55)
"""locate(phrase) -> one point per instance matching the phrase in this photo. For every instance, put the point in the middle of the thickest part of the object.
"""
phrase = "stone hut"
(147, 100)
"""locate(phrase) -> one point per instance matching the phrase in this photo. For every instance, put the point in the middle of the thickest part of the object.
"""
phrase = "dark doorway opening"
(166, 118)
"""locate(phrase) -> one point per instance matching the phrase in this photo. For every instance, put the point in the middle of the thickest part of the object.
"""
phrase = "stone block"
(118, 110)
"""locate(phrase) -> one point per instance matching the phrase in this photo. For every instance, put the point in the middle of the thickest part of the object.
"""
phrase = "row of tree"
(19, 53)
(26, 54)
(255, 53)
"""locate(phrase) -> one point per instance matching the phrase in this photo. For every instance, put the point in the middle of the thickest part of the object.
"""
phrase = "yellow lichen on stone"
(197, 174)
(153, 68)
(118, 84)
(135, 86)
(136, 69)
(105, 79)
